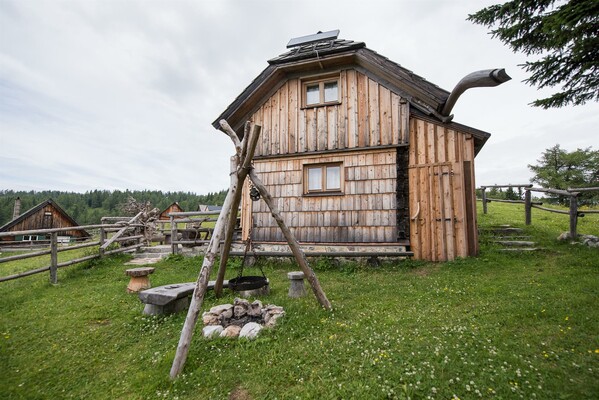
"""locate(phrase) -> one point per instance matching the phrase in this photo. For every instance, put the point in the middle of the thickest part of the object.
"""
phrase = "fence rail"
(571, 193)
(180, 217)
(120, 227)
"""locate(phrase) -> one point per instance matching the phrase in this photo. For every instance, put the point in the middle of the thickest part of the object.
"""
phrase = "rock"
(210, 319)
(211, 331)
(231, 331)
(272, 309)
(272, 320)
(218, 310)
(564, 236)
(250, 330)
(255, 309)
(241, 307)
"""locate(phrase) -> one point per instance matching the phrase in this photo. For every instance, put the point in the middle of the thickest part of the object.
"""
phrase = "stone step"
(156, 249)
(151, 255)
(507, 231)
(509, 237)
(515, 243)
(522, 249)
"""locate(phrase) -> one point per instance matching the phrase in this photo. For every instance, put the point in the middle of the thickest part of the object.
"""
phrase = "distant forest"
(87, 208)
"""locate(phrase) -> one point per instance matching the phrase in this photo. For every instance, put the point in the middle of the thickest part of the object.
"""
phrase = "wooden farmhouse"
(358, 155)
(175, 207)
(45, 215)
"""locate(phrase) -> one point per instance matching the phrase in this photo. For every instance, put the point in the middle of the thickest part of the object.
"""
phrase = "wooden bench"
(170, 299)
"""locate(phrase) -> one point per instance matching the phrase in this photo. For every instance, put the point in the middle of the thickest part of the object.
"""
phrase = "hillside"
(87, 208)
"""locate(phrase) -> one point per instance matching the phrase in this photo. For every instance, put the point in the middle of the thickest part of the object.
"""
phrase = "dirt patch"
(96, 323)
(239, 393)
(424, 271)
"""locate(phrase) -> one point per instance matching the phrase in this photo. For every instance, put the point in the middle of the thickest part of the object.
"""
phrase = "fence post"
(53, 257)
(174, 246)
(527, 207)
(484, 194)
(573, 215)
(102, 240)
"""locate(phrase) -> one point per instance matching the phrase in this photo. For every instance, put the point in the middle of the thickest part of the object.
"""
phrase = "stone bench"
(170, 299)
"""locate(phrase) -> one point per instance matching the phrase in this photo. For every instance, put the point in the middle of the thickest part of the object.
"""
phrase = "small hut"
(164, 215)
(45, 215)
(360, 153)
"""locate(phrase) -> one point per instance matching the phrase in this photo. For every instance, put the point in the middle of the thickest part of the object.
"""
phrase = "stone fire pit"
(240, 319)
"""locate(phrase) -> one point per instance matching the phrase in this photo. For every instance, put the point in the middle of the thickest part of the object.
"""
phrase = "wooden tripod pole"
(300, 257)
(211, 252)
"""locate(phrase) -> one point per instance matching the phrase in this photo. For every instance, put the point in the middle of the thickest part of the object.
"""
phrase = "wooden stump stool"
(296, 287)
(140, 279)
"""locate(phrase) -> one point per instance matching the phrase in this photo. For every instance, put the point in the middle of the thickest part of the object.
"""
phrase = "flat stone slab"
(143, 261)
(163, 295)
(515, 243)
(295, 275)
(142, 271)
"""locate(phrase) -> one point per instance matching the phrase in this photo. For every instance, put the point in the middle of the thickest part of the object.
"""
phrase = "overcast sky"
(121, 94)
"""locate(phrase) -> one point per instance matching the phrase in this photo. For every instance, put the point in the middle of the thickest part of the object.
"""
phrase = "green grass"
(498, 326)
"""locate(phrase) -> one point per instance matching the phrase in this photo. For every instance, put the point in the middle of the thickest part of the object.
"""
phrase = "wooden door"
(436, 212)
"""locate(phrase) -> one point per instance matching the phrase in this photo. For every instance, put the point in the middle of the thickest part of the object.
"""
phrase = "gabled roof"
(425, 98)
(173, 205)
(37, 208)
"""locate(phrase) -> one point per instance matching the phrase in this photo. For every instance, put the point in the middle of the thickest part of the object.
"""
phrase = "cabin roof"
(425, 98)
(33, 210)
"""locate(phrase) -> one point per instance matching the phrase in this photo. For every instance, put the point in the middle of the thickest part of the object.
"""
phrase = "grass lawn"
(498, 326)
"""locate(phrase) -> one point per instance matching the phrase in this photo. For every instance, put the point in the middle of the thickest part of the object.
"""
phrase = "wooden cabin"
(45, 215)
(357, 155)
(175, 207)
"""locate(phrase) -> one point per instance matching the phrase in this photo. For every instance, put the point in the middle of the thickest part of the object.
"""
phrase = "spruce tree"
(564, 35)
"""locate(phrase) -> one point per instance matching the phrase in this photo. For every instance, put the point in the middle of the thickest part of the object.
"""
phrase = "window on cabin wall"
(321, 92)
(323, 178)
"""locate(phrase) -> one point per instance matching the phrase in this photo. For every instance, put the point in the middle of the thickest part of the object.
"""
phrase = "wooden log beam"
(230, 227)
(192, 213)
(300, 257)
(552, 191)
(209, 259)
(591, 189)
(524, 185)
(528, 207)
(24, 274)
(248, 149)
(573, 215)
(484, 195)
(53, 258)
(50, 230)
(200, 289)
(121, 231)
(551, 210)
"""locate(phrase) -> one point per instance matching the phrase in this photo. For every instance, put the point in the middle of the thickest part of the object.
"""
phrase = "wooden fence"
(193, 233)
(572, 194)
(105, 230)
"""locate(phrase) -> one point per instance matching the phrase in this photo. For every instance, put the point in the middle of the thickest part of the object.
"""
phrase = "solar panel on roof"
(317, 37)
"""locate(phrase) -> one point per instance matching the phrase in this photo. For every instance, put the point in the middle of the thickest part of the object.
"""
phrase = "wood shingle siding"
(365, 213)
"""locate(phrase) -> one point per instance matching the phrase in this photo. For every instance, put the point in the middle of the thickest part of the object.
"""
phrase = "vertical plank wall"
(368, 115)
(443, 218)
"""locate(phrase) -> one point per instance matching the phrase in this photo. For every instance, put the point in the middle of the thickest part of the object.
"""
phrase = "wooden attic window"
(324, 179)
(321, 91)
